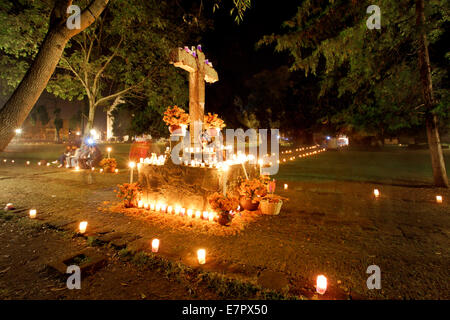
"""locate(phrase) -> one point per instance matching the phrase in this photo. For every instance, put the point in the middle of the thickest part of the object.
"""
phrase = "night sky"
(231, 48)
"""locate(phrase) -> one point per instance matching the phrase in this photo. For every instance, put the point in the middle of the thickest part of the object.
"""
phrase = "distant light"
(78, 133)
(18, 131)
(90, 141)
(439, 199)
(376, 193)
(132, 164)
(328, 137)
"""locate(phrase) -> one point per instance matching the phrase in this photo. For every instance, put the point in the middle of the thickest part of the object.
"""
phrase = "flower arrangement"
(212, 121)
(129, 193)
(253, 189)
(175, 116)
(225, 206)
(108, 164)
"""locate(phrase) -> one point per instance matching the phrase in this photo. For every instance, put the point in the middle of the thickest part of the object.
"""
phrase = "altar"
(200, 168)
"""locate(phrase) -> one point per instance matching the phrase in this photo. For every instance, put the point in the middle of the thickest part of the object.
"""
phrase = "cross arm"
(186, 61)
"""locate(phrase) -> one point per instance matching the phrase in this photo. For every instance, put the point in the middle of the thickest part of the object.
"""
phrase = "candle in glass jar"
(201, 256)
(140, 204)
(83, 226)
(155, 245)
(198, 214)
(205, 215)
(439, 199)
(169, 209)
(321, 285)
(33, 213)
(189, 213)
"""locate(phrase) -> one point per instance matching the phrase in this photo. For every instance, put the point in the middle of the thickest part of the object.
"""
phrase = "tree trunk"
(437, 157)
(90, 123)
(19, 105)
(17, 108)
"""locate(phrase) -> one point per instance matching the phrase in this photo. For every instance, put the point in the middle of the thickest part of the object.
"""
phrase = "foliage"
(108, 164)
(24, 24)
(42, 115)
(372, 75)
(129, 193)
(253, 189)
(213, 121)
(175, 116)
(225, 206)
(221, 203)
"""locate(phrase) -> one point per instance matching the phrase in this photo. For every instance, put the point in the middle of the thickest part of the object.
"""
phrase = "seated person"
(77, 158)
(64, 157)
(94, 157)
(82, 159)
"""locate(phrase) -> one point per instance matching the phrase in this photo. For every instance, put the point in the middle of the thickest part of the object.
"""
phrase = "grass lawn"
(392, 165)
(50, 152)
(331, 225)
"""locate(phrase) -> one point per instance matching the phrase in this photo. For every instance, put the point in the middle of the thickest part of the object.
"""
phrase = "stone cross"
(200, 70)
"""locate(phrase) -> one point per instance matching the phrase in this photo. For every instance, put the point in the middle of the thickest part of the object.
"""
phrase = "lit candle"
(83, 226)
(201, 255)
(28, 163)
(132, 164)
(140, 204)
(183, 211)
(198, 214)
(321, 285)
(189, 213)
(101, 170)
(116, 171)
(211, 216)
(205, 215)
(48, 163)
(33, 213)
(109, 152)
(77, 168)
(285, 186)
(376, 193)
(439, 199)
(158, 207)
(146, 206)
(169, 209)
(152, 206)
(155, 245)
(163, 208)
(177, 210)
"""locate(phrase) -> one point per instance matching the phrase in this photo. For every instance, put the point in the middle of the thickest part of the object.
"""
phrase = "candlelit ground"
(332, 225)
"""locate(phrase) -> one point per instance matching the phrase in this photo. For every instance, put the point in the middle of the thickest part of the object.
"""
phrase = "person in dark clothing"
(94, 157)
(64, 157)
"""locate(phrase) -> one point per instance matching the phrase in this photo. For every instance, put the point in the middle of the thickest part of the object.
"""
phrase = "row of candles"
(321, 282)
(304, 155)
(377, 194)
(178, 210)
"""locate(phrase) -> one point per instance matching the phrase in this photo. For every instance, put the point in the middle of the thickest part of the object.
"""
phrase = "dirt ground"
(333, 228)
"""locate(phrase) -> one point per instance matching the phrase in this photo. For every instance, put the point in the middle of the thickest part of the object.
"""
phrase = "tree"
(125, 54)
(19, 105)
(376, 71)
(58, 122)
(42, 115)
